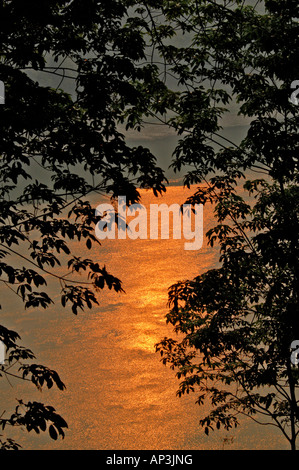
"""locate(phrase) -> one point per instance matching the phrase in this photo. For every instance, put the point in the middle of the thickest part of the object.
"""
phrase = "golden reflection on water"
(145, 338)
(119, 395)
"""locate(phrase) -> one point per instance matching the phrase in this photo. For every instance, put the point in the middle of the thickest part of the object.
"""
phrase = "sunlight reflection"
(145, 338)
(119, 395)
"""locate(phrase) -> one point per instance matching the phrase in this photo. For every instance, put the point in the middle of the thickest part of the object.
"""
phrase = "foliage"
(188, 65)
(59, 145)
(236, 323)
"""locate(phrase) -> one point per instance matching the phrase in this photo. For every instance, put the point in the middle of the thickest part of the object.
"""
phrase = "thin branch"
(62, 278)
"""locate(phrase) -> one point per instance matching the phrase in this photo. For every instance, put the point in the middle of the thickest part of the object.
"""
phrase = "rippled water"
(119, 395)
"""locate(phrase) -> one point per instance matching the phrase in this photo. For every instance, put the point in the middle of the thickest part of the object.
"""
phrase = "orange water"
(119, 395)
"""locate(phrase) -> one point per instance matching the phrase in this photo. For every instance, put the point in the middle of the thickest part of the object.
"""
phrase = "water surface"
(119, 395)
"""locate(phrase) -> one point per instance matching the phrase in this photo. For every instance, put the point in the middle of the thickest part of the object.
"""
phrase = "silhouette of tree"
(236, 323)
(73, 73)
(186, 64)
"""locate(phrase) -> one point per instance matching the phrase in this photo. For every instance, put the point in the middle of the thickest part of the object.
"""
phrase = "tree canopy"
(187, 64)
(236, 323)
(60, 144)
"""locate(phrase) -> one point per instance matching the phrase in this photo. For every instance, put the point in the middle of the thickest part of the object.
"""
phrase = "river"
(118, 394)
